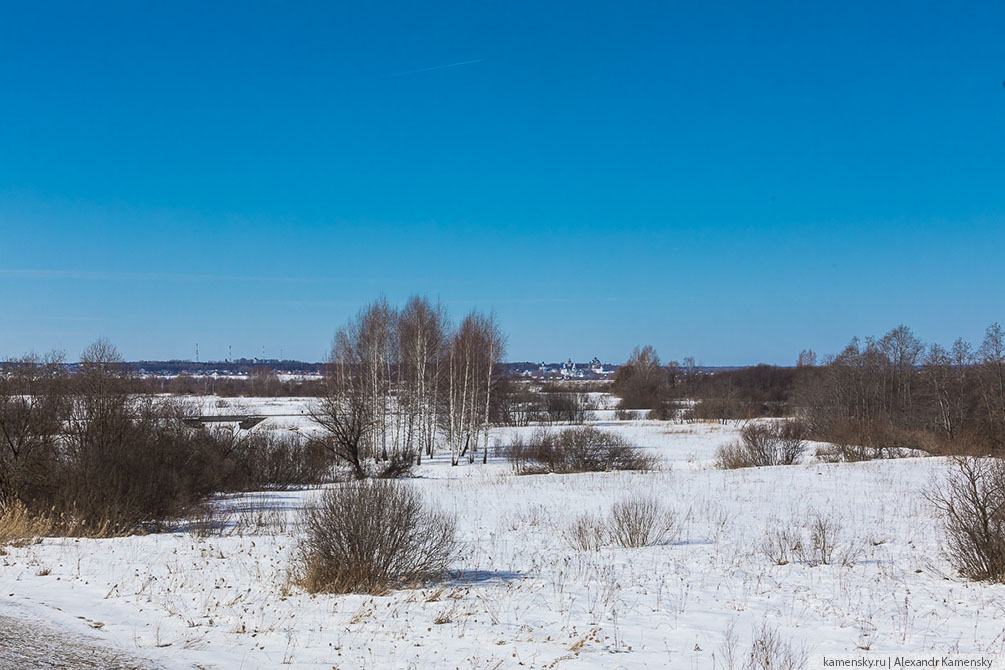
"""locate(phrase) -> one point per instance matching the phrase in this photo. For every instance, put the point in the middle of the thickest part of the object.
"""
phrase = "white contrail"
(440, 67)
(137, 276)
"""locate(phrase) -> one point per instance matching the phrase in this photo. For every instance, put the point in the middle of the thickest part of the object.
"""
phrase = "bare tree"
(384, 392)
(345, 409)
(991, 378)
(641, 382)
(807, 359)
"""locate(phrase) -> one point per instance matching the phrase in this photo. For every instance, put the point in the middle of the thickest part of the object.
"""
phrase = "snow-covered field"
(216, 594)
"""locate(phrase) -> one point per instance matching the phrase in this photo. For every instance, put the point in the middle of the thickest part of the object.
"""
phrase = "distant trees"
(264, 382)
(396, 380)
(742, 393)
(894, 392)
(641, 382)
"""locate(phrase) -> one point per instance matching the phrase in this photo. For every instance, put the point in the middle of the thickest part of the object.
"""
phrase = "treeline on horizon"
(889, 393)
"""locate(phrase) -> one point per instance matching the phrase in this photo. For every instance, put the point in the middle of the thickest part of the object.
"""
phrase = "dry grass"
(18, 526)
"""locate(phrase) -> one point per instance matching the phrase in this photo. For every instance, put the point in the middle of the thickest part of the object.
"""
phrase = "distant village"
(569, 370)
(298, 369)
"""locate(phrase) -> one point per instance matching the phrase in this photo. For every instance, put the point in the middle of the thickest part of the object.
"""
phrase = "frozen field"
(216, 594)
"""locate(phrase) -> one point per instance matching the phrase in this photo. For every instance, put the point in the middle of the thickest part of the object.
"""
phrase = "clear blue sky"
(732, 182)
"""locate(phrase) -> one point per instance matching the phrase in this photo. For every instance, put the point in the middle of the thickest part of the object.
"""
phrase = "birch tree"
(474, 350)
(422, 340)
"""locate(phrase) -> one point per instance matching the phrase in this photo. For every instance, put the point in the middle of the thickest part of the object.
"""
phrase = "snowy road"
(30, 644)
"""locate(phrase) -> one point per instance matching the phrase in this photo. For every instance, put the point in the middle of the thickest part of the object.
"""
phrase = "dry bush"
(259, 516)
(665, 411)
(96, 455)
(769, 652)
(732, 456)
(395, 466)
(842, 452)
(853, 441)
(623, 414)
(826, 546)
(575, 450)
(125, 464)
(820, 541)
(726, 409)
(587, 533)
(372, 535)
(781, 545)
(971, 499)
(763, 444)
(641, 521)
(264, 459)
(207, 520)
(573, 408)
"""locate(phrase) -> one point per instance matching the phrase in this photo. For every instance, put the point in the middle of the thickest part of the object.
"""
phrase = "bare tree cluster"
(895, 393)
(87, 452)
(744, 393)
(400, 382)
(32, 404)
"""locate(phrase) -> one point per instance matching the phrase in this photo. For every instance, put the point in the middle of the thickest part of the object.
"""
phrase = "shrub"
(780, 545)
(372, 535)
(665, 411)
(819, 541)
(971, 499)
(622, 414)
(763, 444)
(642, 521)
(129, 464)
(265, 459)
(575, 450)
(769, 652)
(568, 407)
(587, 533)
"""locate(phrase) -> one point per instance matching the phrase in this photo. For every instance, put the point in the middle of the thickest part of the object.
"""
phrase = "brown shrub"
(642, 521)
(971, 499)
(575, 450)
(763, 444)
(370, 536)
(587, 533)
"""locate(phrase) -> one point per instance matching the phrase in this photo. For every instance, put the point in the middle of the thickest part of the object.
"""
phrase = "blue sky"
(730, 182)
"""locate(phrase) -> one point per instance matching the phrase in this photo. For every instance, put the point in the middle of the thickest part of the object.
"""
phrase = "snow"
(519, 593)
